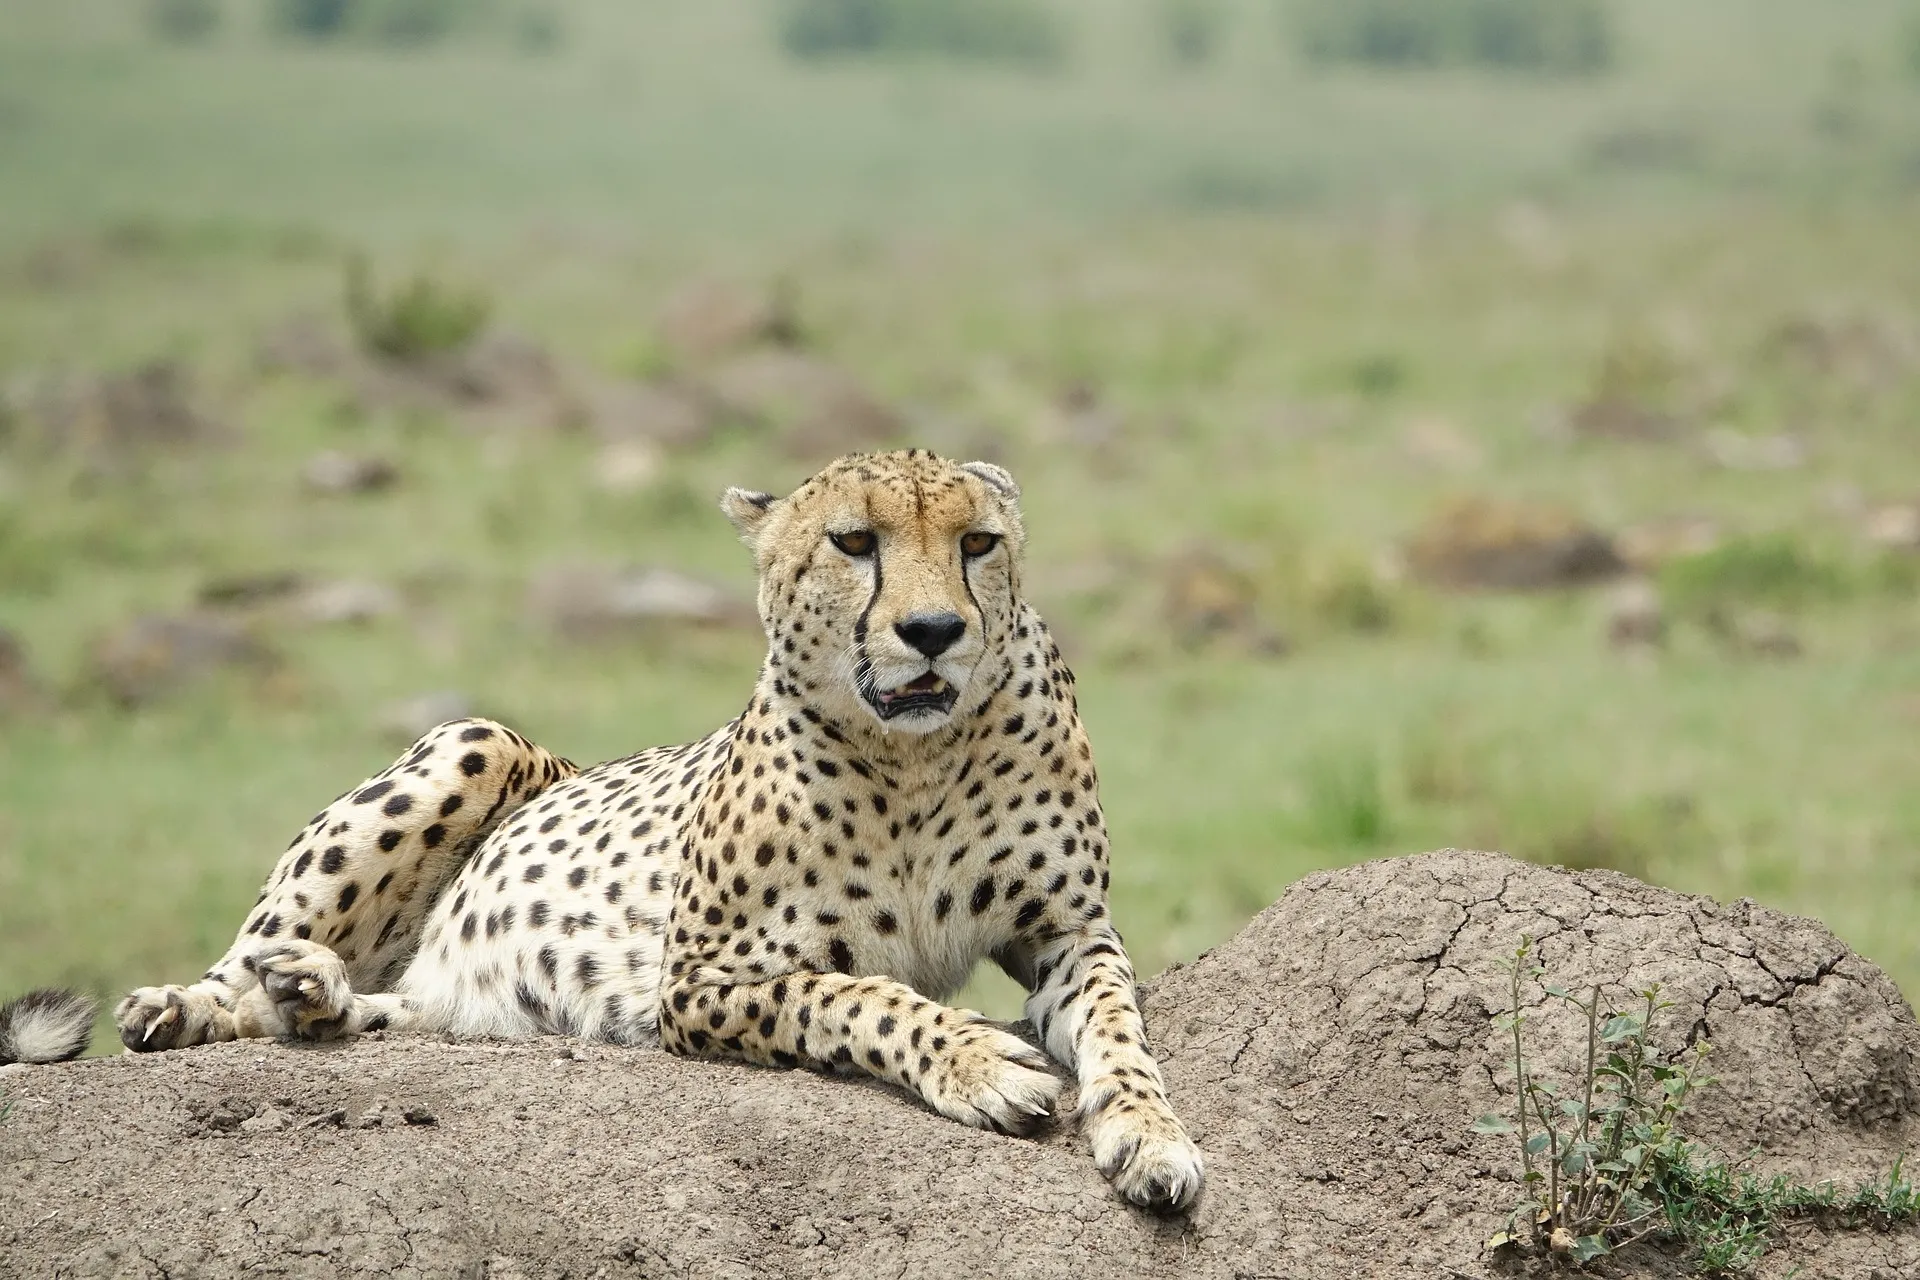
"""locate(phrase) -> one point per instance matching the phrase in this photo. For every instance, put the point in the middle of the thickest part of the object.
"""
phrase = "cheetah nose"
(931, 633)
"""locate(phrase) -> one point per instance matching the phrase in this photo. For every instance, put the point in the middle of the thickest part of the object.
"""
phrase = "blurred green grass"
(1275, 279)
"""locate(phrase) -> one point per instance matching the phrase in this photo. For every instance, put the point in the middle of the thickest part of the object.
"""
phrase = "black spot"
(385, 880)
(537, 915)
(942, 905)
(577, 877)
(390, 839)
(397, 806)
(885, 1026)
(374, 792)
(534, 872)
(587, 970)
(469, 926)
(433, 835)
(885, 922)
(841, 955)
(451, 805)
(549, 962)
(476, 733)
(473, 763)
(301, 864)
(1030, 912)
(347, 896)
(333, 859)
(982, 895)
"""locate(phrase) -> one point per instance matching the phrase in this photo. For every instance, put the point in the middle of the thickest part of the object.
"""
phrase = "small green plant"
(1564, 37)
(1007, 31)
(419, 319)
(185, 21)
(1771, 569)
(1604, 1163)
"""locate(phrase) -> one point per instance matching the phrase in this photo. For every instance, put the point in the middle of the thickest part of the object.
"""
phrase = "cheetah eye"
(855, 542)
(978, 544)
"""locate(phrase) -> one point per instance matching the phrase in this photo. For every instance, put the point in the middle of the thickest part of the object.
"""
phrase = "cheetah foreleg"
(954, 1059)
(1083, 1005)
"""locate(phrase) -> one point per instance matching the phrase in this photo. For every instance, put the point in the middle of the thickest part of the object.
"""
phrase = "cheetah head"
(889, 585)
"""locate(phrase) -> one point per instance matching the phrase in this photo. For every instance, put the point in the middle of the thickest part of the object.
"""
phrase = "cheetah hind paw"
(997, 1081)
(152, 1019)
(305, 990)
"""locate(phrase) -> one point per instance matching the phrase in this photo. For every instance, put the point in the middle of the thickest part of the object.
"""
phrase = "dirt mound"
(1330, 1060)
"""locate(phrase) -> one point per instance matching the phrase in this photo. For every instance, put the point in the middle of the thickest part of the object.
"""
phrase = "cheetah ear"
(997, 478)
(747, 509)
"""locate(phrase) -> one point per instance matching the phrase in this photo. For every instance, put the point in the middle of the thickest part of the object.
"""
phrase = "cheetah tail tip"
(45, 1026)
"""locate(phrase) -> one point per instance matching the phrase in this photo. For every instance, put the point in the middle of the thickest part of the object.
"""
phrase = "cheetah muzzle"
(908, 791)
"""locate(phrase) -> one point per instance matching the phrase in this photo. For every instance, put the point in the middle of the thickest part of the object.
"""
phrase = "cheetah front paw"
(1144, 1150)
(992, 1080)
(303, 993)
(155, 1018)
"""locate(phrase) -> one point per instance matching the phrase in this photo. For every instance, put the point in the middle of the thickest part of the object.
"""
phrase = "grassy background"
(1276, 275)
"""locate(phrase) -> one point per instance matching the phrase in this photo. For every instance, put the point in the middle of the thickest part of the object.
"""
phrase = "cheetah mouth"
(927, 693)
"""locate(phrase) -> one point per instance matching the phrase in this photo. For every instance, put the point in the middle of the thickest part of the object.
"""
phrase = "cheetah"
(909, 791)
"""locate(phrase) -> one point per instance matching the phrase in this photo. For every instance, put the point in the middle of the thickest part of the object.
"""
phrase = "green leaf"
(1492, 1123)
(1536, 1144)
(1500, 1240)
(1621, 1026)
(1573, 1107)
(1554, 989)
(1587, 1248)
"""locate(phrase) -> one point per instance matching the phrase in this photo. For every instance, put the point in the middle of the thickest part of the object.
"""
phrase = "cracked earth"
(1329, 1060)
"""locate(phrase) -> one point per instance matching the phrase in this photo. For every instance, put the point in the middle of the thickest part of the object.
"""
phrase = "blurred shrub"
(1772, 569)
(536, 29)
(397, 22)
(313, 18)
(1346, 807)
(1191, 30)
(421, 318)
(183, 20)
(1014, 31)
(1566, 37)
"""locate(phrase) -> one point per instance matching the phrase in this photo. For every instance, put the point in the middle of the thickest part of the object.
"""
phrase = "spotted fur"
(909, 791)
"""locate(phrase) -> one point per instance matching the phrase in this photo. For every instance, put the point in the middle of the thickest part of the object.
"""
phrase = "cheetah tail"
(45, 1026)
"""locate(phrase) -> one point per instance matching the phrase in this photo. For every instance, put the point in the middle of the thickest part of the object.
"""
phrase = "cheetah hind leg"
(304, 994)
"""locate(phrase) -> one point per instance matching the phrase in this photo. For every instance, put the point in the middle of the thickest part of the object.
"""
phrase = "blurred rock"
(19, 691)
(626, 467)
(1870, 349)
(303, 344)
(409, 718)
(710, 318)
(1634, 616)
(1437, 443)
(1492, 543)
(336, 472)
(669, 414)
(585, 600)
(1208, 599)
(105, 416)
(154, 654)
(1620, 417)
(1649, 545)
(1895, 526)
(817, 410)
(250, 589)
(1754, 633)
(499, 379)
(1088, 422)
(346, 600)
(1738, 451)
